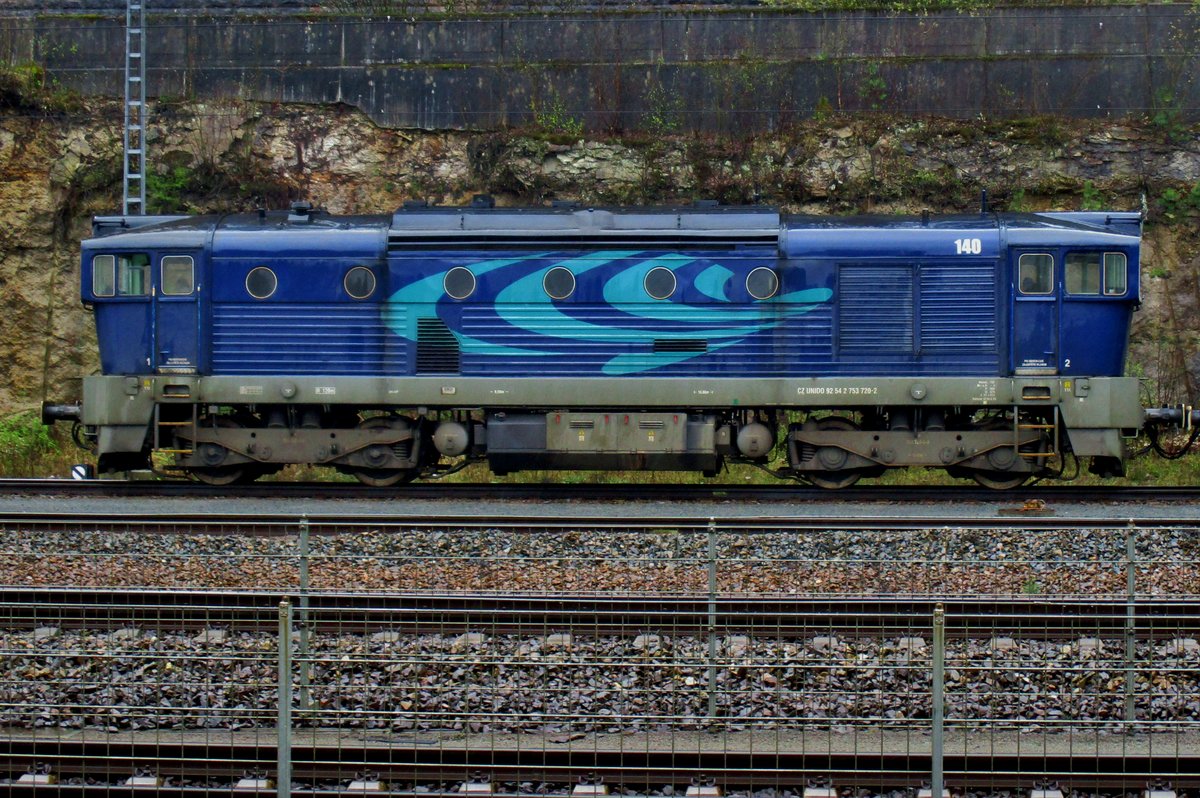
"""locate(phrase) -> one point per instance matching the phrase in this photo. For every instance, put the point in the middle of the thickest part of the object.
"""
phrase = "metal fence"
(589, 657)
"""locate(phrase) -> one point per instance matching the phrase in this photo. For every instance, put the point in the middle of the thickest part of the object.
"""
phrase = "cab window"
(1090, 273)
(1083, 273)
(177, 277)
(1114, 273)
(103, 275)
(133, 275)
(1036, 274)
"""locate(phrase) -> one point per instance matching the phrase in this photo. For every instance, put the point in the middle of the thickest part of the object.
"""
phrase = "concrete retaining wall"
(705, 71)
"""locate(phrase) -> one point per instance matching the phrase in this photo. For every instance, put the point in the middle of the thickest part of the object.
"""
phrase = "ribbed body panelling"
(875, 309)
(668, 340)
(306, 339)
(935, 319)
(958, 308)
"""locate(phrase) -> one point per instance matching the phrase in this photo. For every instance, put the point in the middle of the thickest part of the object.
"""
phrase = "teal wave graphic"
(525, 305)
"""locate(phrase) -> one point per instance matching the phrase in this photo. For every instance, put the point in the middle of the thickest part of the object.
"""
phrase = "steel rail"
(212, 756)
(783, 492)
(336, 522)
(426, 612)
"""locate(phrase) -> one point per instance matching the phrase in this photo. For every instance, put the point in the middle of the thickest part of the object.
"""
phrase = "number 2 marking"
(1067, 363)
(968, 246)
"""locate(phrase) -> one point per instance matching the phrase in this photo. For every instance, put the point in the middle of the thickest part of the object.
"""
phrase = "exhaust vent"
(680, 345)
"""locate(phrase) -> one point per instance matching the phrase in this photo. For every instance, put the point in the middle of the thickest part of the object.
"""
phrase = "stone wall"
(748, 70)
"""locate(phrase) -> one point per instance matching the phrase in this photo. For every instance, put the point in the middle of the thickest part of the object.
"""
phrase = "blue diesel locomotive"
(827, 349)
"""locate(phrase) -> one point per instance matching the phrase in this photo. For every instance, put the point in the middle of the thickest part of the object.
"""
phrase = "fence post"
(712, 617)
(939, 706)
(283, 724)
(1130, 621)
(302, 619)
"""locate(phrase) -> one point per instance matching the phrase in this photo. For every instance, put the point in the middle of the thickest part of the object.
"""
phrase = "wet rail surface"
(784, 492)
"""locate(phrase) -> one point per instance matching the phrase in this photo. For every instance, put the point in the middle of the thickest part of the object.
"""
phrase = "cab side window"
(177, 276)
(1035, 274)
(1090, 273)
(1115, 267)
(1083, 273)
(104, 275)
(133, 275)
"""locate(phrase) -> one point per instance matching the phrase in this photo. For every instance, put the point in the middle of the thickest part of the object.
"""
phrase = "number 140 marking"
(968, 246)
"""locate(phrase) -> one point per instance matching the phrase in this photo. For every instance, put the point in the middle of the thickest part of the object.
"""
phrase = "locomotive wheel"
(1000, 480)
(834, 478)
(384, 477)
(221, 475)
(224, 475)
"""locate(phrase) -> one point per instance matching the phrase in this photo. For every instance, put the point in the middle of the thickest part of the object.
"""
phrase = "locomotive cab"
(144, 288)
(142, 279)
(1073, 295)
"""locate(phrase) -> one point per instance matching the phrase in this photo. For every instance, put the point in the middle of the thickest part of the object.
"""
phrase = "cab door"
(177, 313)
(1036, 296)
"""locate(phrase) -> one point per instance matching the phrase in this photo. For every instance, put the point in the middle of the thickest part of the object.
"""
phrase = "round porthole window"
(359, 282)
(660, 282)
(762, 283)
(459, 282)
(261, 282)
(559, 283)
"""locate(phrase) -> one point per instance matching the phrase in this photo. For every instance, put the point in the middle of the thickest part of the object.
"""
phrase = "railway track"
(336, 521)
(783, 492)
(874, 753)
(423, 612)
(902, 759)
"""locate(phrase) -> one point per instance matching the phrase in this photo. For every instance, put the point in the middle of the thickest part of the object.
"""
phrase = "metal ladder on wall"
(135, 109)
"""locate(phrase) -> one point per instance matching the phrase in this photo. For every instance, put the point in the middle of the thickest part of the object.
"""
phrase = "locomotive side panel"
(301, 300)
(610, 314)
(580, 339)
(923, 318)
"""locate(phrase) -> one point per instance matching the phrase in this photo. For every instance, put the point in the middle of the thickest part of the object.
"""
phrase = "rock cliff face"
(57, 171)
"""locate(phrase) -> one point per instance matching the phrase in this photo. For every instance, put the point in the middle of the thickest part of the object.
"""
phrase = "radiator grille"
(876, 310)
(958, 308)
(437, 348)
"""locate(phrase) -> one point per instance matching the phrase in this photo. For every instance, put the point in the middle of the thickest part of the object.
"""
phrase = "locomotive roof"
(600, 226)
(586, 226)
(943, 236)
(1120, 223)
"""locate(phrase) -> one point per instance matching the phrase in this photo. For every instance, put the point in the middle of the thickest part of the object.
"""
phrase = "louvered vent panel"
(437, 348)
(680, 345)
(303, 338)
(875, 309)
(958, 308)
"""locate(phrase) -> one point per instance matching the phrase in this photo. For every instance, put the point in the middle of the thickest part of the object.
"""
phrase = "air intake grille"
(876, 309)
(680, 345)
(437, 348)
